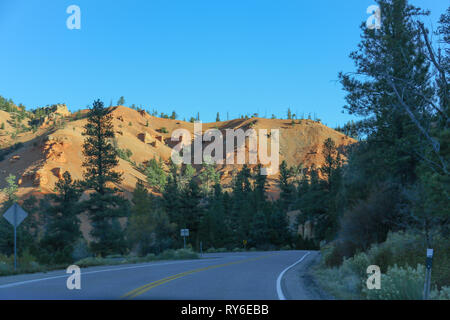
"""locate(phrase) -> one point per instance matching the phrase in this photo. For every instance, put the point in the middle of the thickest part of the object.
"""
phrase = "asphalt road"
(227, 276)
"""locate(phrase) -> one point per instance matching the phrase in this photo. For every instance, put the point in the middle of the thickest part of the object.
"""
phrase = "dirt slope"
(49, 152)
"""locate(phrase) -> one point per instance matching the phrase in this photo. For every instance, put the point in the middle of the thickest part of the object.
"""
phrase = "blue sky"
(232, 56)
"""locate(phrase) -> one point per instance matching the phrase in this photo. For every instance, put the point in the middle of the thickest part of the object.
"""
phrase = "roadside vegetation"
(401, 260)
(29, 264)
(392, 201)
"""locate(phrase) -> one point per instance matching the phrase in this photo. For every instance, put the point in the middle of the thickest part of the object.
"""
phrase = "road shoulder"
(298, 283)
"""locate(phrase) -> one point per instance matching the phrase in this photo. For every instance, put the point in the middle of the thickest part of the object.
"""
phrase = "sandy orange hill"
(48, 153)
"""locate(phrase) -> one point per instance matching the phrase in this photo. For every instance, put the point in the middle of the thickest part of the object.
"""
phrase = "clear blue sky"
(236, 56)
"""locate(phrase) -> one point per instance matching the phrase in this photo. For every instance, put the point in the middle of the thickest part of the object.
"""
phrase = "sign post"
(184, 233)
(15, 215)
(429, 263)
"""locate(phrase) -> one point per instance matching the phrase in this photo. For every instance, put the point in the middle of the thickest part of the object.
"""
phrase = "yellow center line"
(138, 291)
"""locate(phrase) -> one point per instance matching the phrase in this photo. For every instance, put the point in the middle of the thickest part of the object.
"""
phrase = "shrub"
(91, 261)
(5, 268)
(210, 250)
(381, 256)
(342, 283)
(305, 244)
(80, 250)
(124, 154)
(185, 254)
(357, 264)
(238, 250)
(333, 256)
(171, 254)
(395, 256)
(114, 256)
(370, 220)
(408, 249)
(399, 284)
(163, 130)
(167, 254)
(443, 294)
(150, 257)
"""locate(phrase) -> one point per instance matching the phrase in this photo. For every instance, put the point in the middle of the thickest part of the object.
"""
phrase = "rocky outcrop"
(61, 109)
(54, 149)
(145, 137)
(57, 172)
(40, 178)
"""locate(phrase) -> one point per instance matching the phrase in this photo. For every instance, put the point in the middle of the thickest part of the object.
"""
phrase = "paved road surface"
(227, 276)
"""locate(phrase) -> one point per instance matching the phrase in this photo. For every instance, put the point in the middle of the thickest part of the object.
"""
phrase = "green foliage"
(443, 294)
(124, 154)
(121, 101)
(400, 259)
(104, 205)
(156, 176)
(80, 250)
(11, 189)
(148, 226)
(208, 177)
(63, 227)
(399, 284)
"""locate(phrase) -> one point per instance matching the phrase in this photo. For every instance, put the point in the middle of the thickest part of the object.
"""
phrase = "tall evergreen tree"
(63, 228)
(147, 223)
(104, 205)
(121, 101)
(385, 59)
(287, 190)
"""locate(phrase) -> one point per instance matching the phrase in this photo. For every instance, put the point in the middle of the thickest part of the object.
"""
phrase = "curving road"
(217, 276)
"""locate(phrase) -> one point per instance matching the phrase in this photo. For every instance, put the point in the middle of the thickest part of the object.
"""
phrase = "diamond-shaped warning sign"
(15, 215)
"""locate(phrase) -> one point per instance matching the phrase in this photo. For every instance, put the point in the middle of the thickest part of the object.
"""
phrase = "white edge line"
(14, 284)
(280, 277)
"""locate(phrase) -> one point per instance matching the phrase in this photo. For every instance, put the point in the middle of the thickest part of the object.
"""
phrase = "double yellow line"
(138, 291)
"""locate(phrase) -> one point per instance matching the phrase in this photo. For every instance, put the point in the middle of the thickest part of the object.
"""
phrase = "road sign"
(429, 262)
(184, 233)
(15, 215)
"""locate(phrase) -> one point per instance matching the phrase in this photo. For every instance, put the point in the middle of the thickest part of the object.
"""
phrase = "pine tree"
(121, 101)
(63, 228)
(286, 187)
(7, 238)
(217, 117)
(398, 57)
(208, 177)
(156, 176)
(148, 227)
(171, 200)
(104, 205)
(191, 214)
(330, 154)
